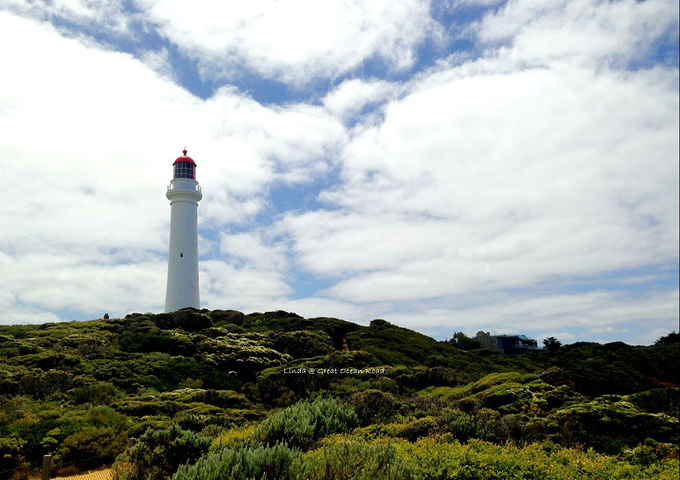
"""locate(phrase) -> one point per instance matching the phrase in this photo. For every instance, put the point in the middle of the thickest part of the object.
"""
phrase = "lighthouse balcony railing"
(193, 186)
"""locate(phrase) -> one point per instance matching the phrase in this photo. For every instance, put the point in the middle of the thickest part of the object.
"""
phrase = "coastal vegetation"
(220, 394)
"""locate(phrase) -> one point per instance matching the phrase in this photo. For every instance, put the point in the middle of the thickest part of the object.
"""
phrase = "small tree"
(463, 342)
(552, 344)
(671, 338)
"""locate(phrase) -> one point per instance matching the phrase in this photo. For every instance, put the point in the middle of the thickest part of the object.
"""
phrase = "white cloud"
(551, 159)
(478, 2)
(501, 181)
(351, 96)
(293, 41)
(487, 178)
(14, 313)
(588, 316)
(89, 137)
(159, 62)
(103, 14)
(252, 249)
(91, 282)
(585, 31)
(247, 288)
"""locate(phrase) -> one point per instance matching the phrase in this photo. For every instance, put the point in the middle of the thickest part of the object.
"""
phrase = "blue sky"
(455, 165)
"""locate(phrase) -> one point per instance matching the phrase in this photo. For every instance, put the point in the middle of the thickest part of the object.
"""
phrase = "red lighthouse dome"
(185, 159)
(184, 167)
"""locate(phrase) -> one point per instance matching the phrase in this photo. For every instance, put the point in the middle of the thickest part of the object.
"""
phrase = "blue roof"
(509, 335)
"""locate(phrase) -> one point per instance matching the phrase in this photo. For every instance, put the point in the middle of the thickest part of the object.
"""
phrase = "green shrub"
(354, 359)
(158, 453)
(373, 406)
(244, 353)
(186, 319)
(92, 447)
(424, 405)
(671, 338)
(658, 400)
(147, 339)
(234, 438)
(479, 460)
(257, 463)
(618, 368)
(302, 343)
(355, 461)
(227, 317)
(104, 416)
(218, 398)
(650, 452)
(460, 424)
(416, 429)
(559, 396)
(11, 453)
(100, 393)
(488, 426)
(302, 424)
(336, 461)
(610, 425)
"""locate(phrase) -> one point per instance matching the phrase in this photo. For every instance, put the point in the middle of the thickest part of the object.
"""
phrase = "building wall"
(487, 341)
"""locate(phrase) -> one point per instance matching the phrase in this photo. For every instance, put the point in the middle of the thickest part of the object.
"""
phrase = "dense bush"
(301, 344)
(610, 425)
(373, 406)
(158, 453)
(439, 458)
(461, 425)
(257, 463)
(335, 461)
(91, 447)
(149, 338)
(99, 393)
(671, 338)
(11, 454)
(435, 459)
(415, 429)
(274, 387)
(340, 460)
(187, 319)
(234, 438)
(305, 422)
(226, 317)
(30, 429)
(241, 353)
(658, 400)
(617, 368)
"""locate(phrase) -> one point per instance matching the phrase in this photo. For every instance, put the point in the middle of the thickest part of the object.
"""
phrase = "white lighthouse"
(184, 195)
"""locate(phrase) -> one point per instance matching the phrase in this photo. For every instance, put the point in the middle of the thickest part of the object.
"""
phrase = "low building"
(506, 343)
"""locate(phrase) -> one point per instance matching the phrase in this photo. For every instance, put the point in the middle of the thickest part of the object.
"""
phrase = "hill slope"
(81, 389)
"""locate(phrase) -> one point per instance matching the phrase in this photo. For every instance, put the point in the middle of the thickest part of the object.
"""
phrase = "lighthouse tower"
(184, 195)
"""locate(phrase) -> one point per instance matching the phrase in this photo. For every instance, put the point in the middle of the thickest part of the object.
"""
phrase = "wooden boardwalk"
(94, 475)
(104, 474)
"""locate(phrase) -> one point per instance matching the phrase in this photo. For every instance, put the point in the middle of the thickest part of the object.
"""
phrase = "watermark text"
(334, 371)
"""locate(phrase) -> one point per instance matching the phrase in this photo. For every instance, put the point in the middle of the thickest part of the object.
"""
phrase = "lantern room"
(184, 167)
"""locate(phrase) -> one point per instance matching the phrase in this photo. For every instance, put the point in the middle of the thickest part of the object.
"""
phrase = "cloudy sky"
(451, 165)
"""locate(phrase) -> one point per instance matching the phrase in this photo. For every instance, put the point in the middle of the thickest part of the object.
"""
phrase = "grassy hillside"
(213, 388)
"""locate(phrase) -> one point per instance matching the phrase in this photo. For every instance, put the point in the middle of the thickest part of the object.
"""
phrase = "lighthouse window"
(185, 170)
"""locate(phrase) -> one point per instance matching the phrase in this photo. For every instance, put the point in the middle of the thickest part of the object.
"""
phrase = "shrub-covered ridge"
(268, 386)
